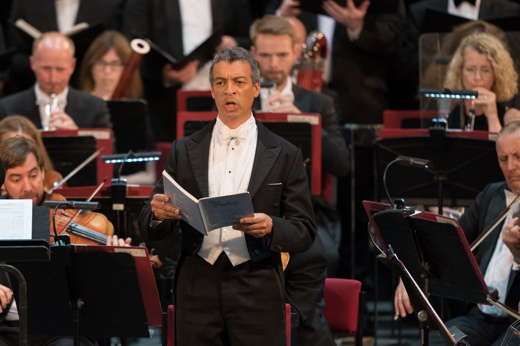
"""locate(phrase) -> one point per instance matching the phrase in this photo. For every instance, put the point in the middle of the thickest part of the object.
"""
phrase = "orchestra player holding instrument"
(498, 254)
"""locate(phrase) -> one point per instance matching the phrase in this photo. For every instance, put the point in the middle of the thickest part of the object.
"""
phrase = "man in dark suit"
(51, 103)
(275, 47)
(58, 16)
(498, 254)
(229, 283)
(178, 27)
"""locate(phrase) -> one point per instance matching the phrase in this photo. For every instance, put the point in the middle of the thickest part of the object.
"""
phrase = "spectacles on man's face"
(112, 65)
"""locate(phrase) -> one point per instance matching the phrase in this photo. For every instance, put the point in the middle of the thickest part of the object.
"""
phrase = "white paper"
(15, 219)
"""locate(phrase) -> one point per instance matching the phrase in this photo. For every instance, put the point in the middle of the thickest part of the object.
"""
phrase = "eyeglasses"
(484, 71)
(113, 65)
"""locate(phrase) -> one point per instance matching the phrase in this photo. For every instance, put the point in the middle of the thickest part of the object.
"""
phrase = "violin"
(85, 228)
(312, 64)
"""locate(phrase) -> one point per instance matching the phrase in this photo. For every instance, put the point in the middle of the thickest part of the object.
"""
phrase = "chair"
(170, 325)
(194, 100)
(342, 307)
(396, 118)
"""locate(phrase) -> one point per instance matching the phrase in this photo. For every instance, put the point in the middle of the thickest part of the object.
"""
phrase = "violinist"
(498, 254)
(17, 125)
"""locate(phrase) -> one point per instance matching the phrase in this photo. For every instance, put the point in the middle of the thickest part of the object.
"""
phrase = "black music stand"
(67, 152)
(83, 293)
(452, 158)
(27, 251)
(436, 251)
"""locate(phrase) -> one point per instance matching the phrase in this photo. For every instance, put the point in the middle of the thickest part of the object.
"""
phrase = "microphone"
(414, 162)
(71, 205)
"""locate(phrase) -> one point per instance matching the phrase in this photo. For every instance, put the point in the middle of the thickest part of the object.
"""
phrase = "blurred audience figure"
(361, 42)
(17, 125)
(103, 66)
(61, 16)
(178, 27)
(51, 104)
(482, 63)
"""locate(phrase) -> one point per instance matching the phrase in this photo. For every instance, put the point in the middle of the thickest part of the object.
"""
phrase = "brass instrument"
(49, 108)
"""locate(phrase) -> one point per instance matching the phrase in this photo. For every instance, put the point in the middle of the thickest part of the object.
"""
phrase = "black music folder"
(380, 6)
(204, 52)
(438, 21)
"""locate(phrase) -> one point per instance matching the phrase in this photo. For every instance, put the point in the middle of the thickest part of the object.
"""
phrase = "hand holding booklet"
(208, 213)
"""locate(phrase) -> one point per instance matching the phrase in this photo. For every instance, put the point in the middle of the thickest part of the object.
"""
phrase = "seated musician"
(51, 103)
(498, 254)
(103, 66)
(482, 63)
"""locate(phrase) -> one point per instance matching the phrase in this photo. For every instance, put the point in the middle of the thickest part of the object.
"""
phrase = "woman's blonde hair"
(505, 84)
(20, 124)
(109, 39)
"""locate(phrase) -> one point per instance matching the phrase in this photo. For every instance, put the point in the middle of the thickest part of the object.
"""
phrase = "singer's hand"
(184, 75)
(259, 225)
(351, 16)
(6, 294)
(289, 8)
(62, 121)
(511, 237)
(162, 208)
(402, 304)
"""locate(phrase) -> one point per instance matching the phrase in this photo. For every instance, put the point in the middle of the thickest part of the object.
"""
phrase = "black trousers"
(224, 305)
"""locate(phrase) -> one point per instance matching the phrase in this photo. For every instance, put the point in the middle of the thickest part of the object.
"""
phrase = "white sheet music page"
(15, 219)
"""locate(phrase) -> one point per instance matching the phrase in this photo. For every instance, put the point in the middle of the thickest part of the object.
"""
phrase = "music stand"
(75, 288)
(452, 157)
(28, 251)
(435, 249)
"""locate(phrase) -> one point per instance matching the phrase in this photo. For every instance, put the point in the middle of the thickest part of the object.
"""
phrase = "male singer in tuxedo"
(498, 254)
(53, 63)
(229, 286)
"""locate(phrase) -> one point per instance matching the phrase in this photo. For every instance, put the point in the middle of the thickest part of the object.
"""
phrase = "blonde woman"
(482, 63)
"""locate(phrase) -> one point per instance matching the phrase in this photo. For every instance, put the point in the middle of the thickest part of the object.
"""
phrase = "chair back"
(342, 298)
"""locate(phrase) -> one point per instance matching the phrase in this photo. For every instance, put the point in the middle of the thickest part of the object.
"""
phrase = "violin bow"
(498, 220)
(72, 173)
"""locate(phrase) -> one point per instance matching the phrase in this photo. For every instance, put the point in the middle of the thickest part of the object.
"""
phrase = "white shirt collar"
(223, 133)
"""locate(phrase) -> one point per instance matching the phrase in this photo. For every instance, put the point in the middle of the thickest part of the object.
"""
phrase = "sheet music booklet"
(208, 213)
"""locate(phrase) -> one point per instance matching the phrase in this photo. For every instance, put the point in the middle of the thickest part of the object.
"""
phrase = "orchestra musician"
(229, 282)
(275, 47)
(17, 125)
(498, 254)
(103, 65)
(51, 103)
(482, 63)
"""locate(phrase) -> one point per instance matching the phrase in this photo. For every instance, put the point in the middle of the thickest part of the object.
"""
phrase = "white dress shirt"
(465, 9)
(43, 99)
(266, 93)
(231, 157)
(66, 13)
(197, 23)
(501, 263)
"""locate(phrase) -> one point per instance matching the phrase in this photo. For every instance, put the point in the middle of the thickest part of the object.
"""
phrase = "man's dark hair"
(14, 151)
(236, 54)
